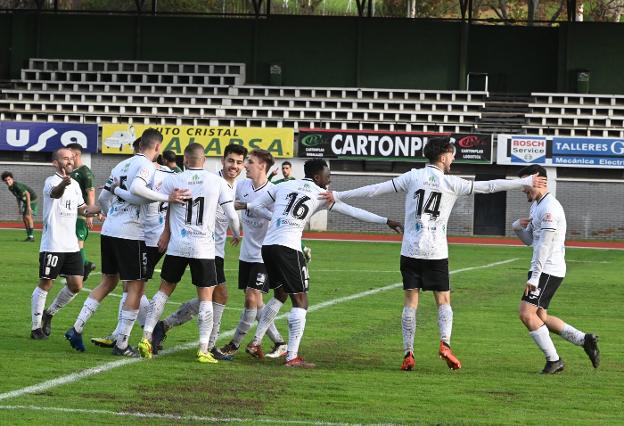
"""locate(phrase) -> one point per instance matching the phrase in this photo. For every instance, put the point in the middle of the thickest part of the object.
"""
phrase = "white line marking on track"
(202, 419)
(74, 377)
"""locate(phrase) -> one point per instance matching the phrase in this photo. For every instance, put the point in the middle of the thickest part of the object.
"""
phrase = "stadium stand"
(564, 114)
(215, 94)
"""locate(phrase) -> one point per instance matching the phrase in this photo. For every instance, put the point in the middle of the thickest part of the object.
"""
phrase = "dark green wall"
(598, 48)
(315, 51)
(517, 59)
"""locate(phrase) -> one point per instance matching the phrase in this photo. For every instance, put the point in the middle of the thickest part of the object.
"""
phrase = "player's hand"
(89, 221)
(528, 288)
(235, 241)
(524, 221)
(394, 225)
(163, 241)
(179, 196)
(272, 173)
(539, 181)
(239, 205)
(114, 185)
(327, 196)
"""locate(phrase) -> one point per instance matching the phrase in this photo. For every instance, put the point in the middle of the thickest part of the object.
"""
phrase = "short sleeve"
(48, 187)
(225, 192)
(459, 186)
(549, 219)
(402, 183)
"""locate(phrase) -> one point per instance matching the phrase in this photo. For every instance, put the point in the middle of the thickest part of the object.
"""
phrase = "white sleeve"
(139, 187)
(48, 187)
(264, 212)
(368, 191)
(234, 222)
(497, 185)
(525, 234)
(543, 250)
(359, 214)
(130, 197)
(261, 203)
(104, 200)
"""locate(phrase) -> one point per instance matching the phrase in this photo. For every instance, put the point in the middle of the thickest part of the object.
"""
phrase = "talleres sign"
(559, 151)
(391, 146)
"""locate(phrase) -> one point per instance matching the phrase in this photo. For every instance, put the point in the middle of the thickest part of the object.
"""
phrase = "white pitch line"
(202, 419)
(74, 377)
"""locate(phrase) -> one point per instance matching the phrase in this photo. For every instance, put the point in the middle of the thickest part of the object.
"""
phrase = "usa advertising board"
(391, 146)
(46, 137)
(118, 138)
(560, 151)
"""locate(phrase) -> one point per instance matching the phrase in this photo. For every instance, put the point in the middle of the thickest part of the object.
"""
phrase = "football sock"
(445, 322)
(408, 323)
(205, 322)
(83, 255)
(542, 339)
(217, 313)
(573, 335)
(128, 318)
(246, 320)
(143, 309)
(183, 314)
(155, 310)
(29, 232)
(124, 295)
(296, 326)
(88, 308)
(266, 319)
(38, 303)
(62, 298)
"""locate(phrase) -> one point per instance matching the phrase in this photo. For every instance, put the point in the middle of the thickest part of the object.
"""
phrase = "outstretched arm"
(368, 191)
(497, 185)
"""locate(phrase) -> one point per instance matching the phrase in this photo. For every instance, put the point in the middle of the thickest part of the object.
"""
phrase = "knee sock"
(266, 320)
(143, 310)
(542, 339)
(88, 309)
(62, 298)
(296, 326)
(155, 310)
(205, 323)
(38, 301)
(217, 314)
(573, 335)
(445, 323)
(183, 314)
(246, 320)
(408, 323)
(128, 318)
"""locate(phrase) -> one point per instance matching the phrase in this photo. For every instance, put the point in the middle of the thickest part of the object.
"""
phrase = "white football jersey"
(255, 224)
(153, 214)
(221, 224)
(59, 217)
(547, 214)
(293, 204)
(123, 218)
(429, 198)
(193, 224)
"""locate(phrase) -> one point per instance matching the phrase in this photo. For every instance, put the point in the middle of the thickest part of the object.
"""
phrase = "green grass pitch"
(356, 344)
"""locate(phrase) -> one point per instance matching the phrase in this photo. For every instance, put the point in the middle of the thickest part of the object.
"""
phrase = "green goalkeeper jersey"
(20, 190)
(84, 176)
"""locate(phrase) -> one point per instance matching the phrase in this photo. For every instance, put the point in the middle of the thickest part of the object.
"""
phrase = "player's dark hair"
(314, 167)
(235, 148)
(436, 147)
(135, 144)
(264, 156)
(6, 175)
(160, 160)
(194, 150)
(531, 170)
(286, 163)
(169, 155)
(150, 138)
(55, 154)
(75, 147)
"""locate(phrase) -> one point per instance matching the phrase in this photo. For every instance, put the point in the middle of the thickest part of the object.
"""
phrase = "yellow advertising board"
(118, 138)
